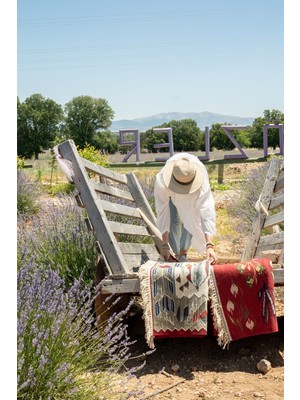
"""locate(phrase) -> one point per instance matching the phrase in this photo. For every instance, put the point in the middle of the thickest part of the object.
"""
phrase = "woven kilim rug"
(174, 299)
(242, 300)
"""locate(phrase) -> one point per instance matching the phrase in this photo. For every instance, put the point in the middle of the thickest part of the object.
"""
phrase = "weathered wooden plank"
(128, 229)
(269, 247)
(275, 219)
(98, 169)
(278, 276)
(271, 239)
(111, 191)
(266, 196)
(277, 201)
(125, 285)
(92, 203)
(137, 248)
(134, 261)
(119, 209)
(279, 185)
(281, 258)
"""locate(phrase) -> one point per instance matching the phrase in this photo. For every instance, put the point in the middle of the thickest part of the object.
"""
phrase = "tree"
(38, 122)
(270, 117)
(106, 141)
(85, 116)
(220, 141)
(186, 136)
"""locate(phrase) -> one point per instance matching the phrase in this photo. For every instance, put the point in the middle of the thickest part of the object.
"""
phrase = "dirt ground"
(200, 369)
(189, 368)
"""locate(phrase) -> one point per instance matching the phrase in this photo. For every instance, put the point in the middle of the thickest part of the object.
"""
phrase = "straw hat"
(183, 176)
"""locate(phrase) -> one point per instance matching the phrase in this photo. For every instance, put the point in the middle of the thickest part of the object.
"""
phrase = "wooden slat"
(137, 254)
(125, 285)
(111, 191)
(119, 209)
(128, 229)
(278, 276)
(268, 240)
(277, 201)
(269, 247)
(134, 261)
(138, 248)
(281, 257)
(275, 219)
(98, 169)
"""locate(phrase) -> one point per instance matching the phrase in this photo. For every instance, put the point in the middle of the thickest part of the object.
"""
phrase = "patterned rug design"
(242, 300)
(175, 298)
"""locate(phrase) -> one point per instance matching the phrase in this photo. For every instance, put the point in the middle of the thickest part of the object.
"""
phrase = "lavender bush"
(61, 352)
(58, 236)
(243, 204)
(27, 194)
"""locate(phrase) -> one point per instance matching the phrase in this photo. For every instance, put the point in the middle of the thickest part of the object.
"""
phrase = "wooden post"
(220, 173)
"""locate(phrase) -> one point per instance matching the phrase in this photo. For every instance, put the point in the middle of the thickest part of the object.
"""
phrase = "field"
(199, 369)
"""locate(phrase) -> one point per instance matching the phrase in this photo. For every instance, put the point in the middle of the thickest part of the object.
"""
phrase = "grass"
(42, 170)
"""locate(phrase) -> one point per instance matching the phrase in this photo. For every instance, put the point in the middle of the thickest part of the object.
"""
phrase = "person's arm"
(210, 249)
(165, 248)
(206, 205)
(163, 215)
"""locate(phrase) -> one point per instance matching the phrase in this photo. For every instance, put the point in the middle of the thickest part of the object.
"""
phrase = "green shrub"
(92, 154)
(219, 186)
(20, 162)
(60, 188)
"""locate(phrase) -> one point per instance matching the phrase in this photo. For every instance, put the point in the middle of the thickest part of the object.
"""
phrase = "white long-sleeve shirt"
(196, 210)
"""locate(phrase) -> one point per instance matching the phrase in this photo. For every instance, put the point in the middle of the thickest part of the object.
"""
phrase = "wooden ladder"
(121, 218)
(266, 238)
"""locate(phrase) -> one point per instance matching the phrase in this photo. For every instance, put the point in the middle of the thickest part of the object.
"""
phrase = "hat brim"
(176, 187)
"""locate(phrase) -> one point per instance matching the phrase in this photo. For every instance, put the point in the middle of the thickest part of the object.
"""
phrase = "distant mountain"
(203, 119)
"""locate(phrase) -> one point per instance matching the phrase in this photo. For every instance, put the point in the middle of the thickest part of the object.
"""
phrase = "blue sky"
(150, 57)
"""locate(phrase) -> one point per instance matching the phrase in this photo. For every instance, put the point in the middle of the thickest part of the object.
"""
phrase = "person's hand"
(165, 251)
(210, 253)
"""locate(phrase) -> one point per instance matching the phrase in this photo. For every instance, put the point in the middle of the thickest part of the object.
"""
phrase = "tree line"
(42, 123)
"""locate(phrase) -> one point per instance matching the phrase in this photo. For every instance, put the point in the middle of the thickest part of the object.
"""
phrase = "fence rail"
(220, 163)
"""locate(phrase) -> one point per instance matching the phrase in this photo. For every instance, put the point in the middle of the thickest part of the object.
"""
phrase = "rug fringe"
(144, 272)
(219, 321)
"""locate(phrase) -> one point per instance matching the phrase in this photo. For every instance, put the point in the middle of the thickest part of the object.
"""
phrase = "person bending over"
(185, 207)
